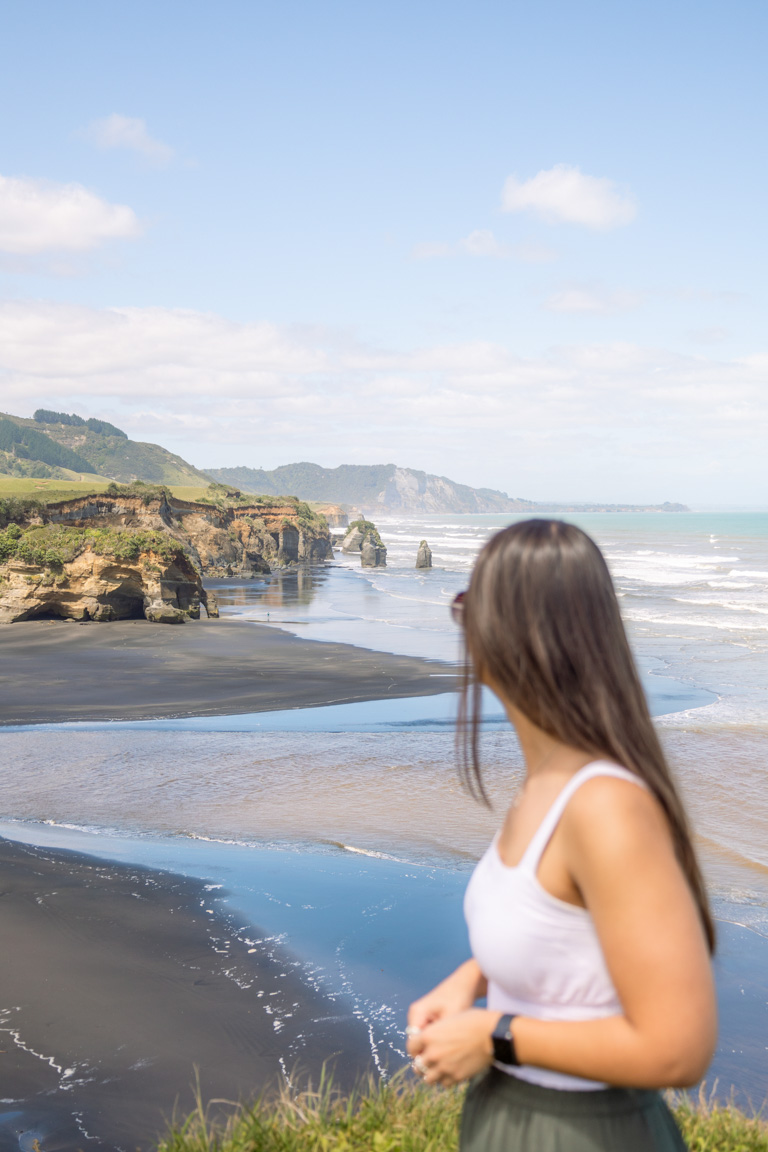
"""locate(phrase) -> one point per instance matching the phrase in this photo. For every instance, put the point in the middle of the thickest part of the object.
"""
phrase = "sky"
(521, 245)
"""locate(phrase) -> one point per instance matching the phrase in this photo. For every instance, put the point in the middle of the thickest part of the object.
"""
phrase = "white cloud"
(482, 242)
(581, 299)
(565, 195)
(127, 132)
(222, 392)
(39, 216)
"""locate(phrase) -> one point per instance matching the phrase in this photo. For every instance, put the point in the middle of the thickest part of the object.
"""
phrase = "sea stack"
(424, 555)
(373, 555)
(353, 541)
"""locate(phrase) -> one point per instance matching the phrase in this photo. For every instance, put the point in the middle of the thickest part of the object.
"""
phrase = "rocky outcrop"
(233, 540)
(161, 585)
(334, 514)
(119, 555)
(353, 541)
(424, 555)
(373, 555)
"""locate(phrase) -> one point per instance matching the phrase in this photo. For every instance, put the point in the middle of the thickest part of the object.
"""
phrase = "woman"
(588, 918)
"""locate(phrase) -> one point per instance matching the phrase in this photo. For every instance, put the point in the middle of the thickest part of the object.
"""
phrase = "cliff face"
(222, 541)
(334, 514)
(161, 585)
(418, 492)
(112, 557)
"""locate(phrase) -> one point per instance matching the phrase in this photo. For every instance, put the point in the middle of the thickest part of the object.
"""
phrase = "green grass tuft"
(393, 1117)
(403, 1116)
(709, 1126)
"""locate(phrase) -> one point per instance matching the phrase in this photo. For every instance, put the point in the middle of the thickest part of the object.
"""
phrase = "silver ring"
(419, 1066)
(412, 1030)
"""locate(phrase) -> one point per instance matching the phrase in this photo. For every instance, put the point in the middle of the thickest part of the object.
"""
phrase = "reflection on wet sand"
(282, 589)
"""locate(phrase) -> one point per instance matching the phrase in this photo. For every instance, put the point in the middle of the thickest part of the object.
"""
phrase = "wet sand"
(119, 987)
(54, 671)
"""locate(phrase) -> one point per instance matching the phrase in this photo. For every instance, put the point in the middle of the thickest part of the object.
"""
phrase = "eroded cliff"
(143, 553)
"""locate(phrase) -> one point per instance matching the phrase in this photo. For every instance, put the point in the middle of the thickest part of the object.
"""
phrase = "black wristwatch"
(504, 1042)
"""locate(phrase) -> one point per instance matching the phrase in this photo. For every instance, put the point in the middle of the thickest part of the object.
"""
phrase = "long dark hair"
(542, 622)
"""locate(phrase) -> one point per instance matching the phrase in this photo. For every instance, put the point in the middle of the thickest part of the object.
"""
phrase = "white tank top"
(540, 955)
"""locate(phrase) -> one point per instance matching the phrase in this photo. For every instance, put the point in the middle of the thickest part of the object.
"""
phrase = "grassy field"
(51, 490)
(403, 1117)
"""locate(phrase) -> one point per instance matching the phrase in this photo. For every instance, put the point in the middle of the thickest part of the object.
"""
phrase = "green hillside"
(55, 445)
(23, 446)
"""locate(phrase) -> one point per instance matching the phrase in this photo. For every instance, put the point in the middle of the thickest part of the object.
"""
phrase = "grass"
(708, 1126)
(50, 490)
(405, 1117)
(53, 490)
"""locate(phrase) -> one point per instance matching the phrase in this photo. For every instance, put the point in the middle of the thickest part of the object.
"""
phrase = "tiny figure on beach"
(589, 925)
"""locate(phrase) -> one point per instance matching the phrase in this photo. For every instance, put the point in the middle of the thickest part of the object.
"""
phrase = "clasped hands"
(450, 1048)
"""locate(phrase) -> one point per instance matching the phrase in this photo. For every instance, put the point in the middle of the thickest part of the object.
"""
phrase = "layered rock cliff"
(242, 539)
(47, 570)
(121, 554)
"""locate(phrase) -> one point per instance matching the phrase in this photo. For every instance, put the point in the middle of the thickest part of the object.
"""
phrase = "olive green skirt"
(505, 1114)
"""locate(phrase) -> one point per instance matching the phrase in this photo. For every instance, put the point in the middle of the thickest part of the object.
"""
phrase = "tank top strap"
(544, 832)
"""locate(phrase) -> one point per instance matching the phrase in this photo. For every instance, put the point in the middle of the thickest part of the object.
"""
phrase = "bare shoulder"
(617, 814)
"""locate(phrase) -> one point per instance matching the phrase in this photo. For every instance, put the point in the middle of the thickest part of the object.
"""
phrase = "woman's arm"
(619, 851)
(455, 994)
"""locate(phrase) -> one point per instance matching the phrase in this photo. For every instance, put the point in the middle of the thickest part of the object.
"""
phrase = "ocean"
(337, 830)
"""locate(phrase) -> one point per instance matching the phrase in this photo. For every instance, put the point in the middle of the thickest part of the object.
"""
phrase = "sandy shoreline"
(118, 984)
(54, 671)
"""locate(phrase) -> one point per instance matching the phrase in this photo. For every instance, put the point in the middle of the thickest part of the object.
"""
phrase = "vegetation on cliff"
(17, 509)
(404, 1117)
(53, 545)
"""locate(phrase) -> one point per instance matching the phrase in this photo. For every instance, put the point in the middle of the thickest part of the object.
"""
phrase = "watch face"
(503, 1045)
(502, 1050)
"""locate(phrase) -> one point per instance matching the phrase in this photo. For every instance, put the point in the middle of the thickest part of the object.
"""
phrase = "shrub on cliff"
(15, 509)
(146, 492)
(53, 545)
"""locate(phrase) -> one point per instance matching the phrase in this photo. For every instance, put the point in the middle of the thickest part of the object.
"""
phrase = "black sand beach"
(118, 988)
(54, 671)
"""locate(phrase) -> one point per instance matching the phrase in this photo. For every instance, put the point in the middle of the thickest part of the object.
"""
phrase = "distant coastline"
(66, 448)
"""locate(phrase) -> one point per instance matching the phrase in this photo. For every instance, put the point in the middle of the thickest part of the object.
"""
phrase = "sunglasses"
(457, 607)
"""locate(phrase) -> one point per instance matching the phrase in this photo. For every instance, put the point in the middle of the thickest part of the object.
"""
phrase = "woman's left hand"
(455, 1048)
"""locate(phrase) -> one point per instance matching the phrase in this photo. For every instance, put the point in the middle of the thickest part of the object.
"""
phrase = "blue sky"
(521, 245)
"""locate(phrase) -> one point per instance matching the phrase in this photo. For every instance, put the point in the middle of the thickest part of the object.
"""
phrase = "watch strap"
(504, 1042)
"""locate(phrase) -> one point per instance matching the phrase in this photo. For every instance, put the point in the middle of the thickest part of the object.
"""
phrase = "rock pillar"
(373, 555)
(424, 555)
